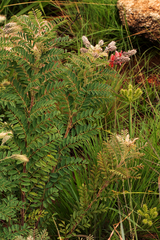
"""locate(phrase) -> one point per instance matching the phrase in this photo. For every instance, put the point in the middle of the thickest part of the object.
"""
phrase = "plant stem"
(23, 199)
(133, 234)
(130, 119)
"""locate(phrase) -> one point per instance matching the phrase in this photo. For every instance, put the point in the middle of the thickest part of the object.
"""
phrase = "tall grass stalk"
(130, 119)
(10, 7)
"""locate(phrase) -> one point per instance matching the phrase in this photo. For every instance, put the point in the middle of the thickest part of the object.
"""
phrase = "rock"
(142, 16)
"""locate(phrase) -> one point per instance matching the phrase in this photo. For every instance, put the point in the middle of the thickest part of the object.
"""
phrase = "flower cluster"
(148, 214)
(121, 57)
(97, 51)
(131, 95)
(126, 141)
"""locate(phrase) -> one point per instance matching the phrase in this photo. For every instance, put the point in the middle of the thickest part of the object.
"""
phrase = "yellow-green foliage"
(131, 95)
(148, 214)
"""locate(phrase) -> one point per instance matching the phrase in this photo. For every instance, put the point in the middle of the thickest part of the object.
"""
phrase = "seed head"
(19, 157)
(101, 42)
(111, 47)
(30, 238)
(5, 136)
(130, 53)
(86, 41)
(11, 28)
(2, 18)
(84, 50)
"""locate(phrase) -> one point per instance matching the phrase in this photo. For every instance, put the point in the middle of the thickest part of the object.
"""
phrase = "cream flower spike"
(5, 136)
(101, 42)
(94, 51)
(86, 41)
(2, 18)
(111, 47)
(22, 158)
(30, 238)
(126, 141)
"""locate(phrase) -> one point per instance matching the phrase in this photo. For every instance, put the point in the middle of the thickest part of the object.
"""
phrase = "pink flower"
(118, 58)
(118, 54)
(112, 58)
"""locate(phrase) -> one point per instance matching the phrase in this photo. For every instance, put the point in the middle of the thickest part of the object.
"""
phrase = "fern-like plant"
(50, 107)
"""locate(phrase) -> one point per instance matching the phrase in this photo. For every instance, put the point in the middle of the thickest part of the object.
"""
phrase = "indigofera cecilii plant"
(50, 110)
